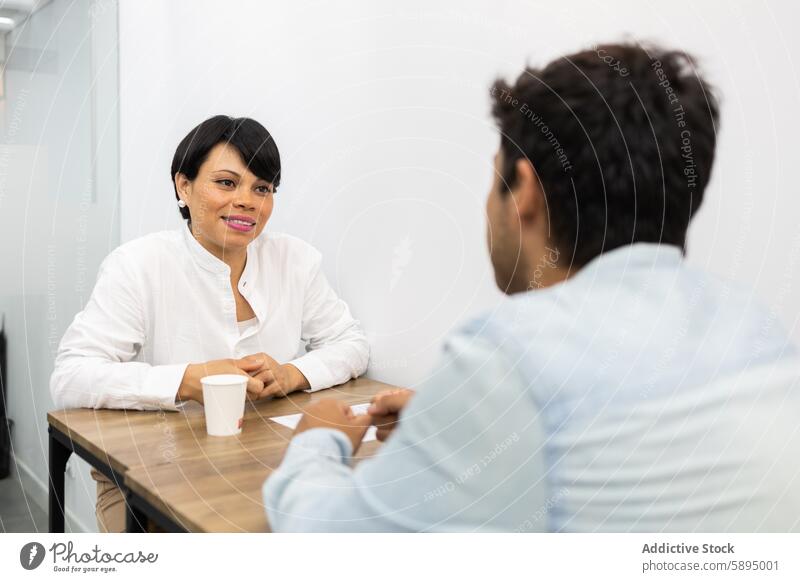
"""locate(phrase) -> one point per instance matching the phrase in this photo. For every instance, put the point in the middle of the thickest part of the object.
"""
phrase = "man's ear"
(527, 192)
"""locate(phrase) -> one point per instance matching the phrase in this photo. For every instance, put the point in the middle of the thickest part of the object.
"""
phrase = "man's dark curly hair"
(622, 138)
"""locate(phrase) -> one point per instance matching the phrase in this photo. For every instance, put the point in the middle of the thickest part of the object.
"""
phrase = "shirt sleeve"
(93, 365)
(467, 456)
(337, 349)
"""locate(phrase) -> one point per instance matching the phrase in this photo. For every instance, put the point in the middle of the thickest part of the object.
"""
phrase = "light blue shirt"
(639, 395)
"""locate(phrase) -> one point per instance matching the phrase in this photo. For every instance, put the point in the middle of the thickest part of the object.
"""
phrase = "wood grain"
(207, 483)
(216, 494)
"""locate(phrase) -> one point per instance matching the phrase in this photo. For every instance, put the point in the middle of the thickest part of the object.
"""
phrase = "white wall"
(58, 212)
(380, 110)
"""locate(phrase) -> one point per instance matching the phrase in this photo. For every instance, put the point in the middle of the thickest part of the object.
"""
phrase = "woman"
(214, 292)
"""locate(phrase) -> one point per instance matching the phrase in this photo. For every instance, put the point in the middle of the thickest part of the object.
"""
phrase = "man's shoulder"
(525, 315)
(500, 336)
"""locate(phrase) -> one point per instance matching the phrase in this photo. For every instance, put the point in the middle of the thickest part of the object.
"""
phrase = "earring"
(181, 204)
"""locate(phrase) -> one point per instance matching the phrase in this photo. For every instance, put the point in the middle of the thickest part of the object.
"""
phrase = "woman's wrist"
(187, 389)
(297, 380)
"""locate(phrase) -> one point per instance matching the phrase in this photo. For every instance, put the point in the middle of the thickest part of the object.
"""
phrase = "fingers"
(266, 373)
(384, 394)
(389, 403)
(273, 389)
(364, 420)
(262, 380)
(344, 408)
(385, 425)
(267, 376)
(254, 387)
(250, 364)
(384, 420)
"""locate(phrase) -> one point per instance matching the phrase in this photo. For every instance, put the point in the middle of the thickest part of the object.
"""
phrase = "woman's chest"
(244, 311)
(197, 319)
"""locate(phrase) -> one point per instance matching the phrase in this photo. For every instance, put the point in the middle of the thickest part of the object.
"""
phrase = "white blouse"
(245, 325)
(163, 301)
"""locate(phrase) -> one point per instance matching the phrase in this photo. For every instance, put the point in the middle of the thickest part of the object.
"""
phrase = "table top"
(216, 494)
(204, 483)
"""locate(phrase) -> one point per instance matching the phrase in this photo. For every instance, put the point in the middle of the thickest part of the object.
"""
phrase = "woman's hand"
(278, 379)
(385, 410)
(192, 389)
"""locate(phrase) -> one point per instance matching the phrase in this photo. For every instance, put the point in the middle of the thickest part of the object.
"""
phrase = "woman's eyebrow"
(229, 171)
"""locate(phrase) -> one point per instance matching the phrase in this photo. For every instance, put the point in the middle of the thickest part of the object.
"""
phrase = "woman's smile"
(240, 222)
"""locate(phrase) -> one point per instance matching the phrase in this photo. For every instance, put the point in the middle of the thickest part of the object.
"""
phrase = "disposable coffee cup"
(223, 399)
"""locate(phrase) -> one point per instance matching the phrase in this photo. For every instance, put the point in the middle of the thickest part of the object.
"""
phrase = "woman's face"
(229, 204)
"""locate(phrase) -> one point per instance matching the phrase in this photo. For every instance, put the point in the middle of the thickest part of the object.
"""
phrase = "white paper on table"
(291, 420)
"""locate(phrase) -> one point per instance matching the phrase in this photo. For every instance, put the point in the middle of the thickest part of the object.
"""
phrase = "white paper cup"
(223, 399)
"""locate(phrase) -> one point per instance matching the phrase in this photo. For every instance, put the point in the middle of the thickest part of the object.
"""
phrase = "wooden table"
(172, 472)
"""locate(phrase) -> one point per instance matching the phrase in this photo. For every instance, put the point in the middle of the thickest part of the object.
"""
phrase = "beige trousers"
(110, 507)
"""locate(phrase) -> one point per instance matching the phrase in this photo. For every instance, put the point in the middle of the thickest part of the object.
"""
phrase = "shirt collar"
(211, 263)
(634, 256)
(202, 256)
(247, 282)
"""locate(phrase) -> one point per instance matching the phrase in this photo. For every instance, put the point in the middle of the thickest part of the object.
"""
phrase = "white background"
(380, 110)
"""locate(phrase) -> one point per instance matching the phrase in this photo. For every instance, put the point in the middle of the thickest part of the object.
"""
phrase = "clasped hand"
(266, 377)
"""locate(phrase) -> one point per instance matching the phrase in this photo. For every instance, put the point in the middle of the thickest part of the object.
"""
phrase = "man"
(617, 388)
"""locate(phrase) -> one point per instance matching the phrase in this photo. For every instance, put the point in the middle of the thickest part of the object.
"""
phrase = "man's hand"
(334, 414)
(192, 389)
(278, 379)
(385, 410)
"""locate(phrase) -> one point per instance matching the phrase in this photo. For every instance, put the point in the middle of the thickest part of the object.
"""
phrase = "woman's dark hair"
(622, 138)
(249, 137)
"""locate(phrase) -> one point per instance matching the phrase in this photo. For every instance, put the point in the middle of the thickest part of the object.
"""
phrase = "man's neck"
(547, 271)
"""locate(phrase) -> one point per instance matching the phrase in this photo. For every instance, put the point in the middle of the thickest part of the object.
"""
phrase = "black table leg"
(142, 516)
(138, 513)
(135, 518)
(59, 455)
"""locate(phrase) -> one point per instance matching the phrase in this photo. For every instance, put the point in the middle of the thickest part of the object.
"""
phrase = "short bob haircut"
(249, 137)
(622, 138)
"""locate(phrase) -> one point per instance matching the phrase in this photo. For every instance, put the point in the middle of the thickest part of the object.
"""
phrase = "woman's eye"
(226, 183)
(263, 190)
